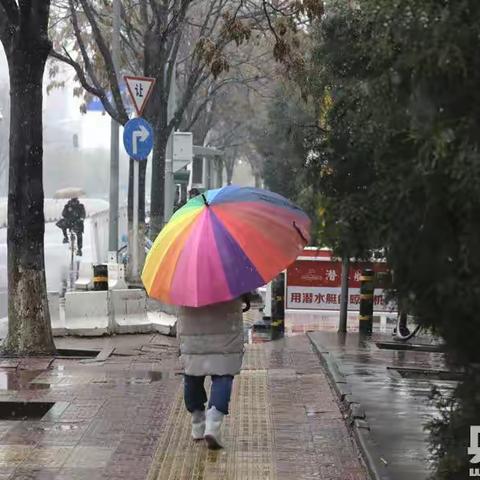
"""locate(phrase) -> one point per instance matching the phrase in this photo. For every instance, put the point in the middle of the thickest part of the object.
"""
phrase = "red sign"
(314, 283)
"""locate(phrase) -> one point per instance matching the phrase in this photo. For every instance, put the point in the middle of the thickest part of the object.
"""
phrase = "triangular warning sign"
(140, 89)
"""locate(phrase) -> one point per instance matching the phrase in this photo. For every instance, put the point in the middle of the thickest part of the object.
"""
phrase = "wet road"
(397, 408)
(57, 260)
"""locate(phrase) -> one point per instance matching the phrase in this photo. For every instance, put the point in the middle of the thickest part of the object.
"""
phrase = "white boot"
(212, 429)
(198, 424)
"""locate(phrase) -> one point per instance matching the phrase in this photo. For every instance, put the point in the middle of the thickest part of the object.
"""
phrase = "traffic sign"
(140, 89)
(138, 138)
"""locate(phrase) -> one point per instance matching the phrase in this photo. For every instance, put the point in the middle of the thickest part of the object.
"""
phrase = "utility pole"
(169, 189)
(114, 138)
(342, 327)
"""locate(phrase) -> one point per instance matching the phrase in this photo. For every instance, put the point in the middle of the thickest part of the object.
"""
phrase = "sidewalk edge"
(356, 415)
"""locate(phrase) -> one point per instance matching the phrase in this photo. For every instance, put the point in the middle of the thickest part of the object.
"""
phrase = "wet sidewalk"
(123, 417)
(393, 387)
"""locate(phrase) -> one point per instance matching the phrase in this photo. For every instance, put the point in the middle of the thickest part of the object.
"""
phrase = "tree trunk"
(157, 202)
(29, 330)
(141, 217)
(229, 167)
(219, 172)
(258, 180)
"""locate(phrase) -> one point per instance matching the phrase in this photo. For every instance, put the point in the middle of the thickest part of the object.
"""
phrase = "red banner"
(314, 283)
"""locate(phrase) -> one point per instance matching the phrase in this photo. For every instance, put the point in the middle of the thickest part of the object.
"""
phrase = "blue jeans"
(195, 395)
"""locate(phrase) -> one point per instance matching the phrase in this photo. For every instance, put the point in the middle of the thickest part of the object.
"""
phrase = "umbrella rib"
(205, 200)
(300, 232)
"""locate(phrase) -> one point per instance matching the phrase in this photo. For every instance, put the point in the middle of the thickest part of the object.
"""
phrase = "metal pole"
(169, 180)
(114, 137)
(72, 261)
(278, 305)
(136, 180)
(342, 327)
(367, 288)
(169, 189)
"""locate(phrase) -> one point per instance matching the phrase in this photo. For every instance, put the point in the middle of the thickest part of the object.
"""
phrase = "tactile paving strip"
(255, 357)
(247, 436)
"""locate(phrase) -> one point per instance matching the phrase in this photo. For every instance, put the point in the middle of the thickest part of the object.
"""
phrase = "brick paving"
(123, 418)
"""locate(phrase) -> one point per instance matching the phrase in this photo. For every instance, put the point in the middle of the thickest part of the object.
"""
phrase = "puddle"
(261, 333)
(149, 377)
(20, 380)
(156, 376)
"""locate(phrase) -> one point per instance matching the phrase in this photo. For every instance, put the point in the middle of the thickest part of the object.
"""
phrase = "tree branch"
(269, 21)
(107, 58)
(97, 92)
(78, 70)
(82, 47)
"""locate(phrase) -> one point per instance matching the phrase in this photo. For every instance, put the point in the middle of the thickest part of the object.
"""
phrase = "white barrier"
(57, 320)
(85, 276)
(116, 276)
(267, 311)
(87, 313)
(163, 323)
(95, 313)
(129, 310)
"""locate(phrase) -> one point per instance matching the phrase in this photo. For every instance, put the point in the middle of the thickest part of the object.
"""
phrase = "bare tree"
(24, 35)
(231, 130)
(152, 35)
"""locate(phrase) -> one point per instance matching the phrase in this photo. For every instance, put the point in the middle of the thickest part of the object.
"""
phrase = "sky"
(66, 165)
(85, 166)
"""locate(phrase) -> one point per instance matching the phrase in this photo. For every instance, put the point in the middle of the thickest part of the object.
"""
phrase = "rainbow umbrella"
(222, 244)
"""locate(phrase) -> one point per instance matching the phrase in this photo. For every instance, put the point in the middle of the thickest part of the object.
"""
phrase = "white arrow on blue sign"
(138, 138)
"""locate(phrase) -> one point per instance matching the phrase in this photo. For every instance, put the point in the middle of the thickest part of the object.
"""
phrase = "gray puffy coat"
(211, 338)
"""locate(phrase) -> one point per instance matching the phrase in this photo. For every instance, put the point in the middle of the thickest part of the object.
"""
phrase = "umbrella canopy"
(222, 244)
(70, 192)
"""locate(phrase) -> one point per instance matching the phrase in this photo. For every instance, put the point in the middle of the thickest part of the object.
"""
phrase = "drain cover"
(418, 347)
(76, 353)
(428, 373)
(24, 410)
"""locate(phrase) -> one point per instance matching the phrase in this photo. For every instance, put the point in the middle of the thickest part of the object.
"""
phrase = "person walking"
(211, 344)
(220, 244)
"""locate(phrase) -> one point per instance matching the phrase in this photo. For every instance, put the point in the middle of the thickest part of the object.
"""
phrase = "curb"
(357, 420)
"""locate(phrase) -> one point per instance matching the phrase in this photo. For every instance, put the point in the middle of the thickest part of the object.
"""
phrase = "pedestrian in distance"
(211, 344)
(194, 192)
(73, 216)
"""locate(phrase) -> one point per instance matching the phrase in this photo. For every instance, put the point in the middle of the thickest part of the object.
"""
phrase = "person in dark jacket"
(73, 216)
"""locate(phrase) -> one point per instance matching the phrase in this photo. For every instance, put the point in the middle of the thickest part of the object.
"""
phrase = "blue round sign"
(138, 138)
